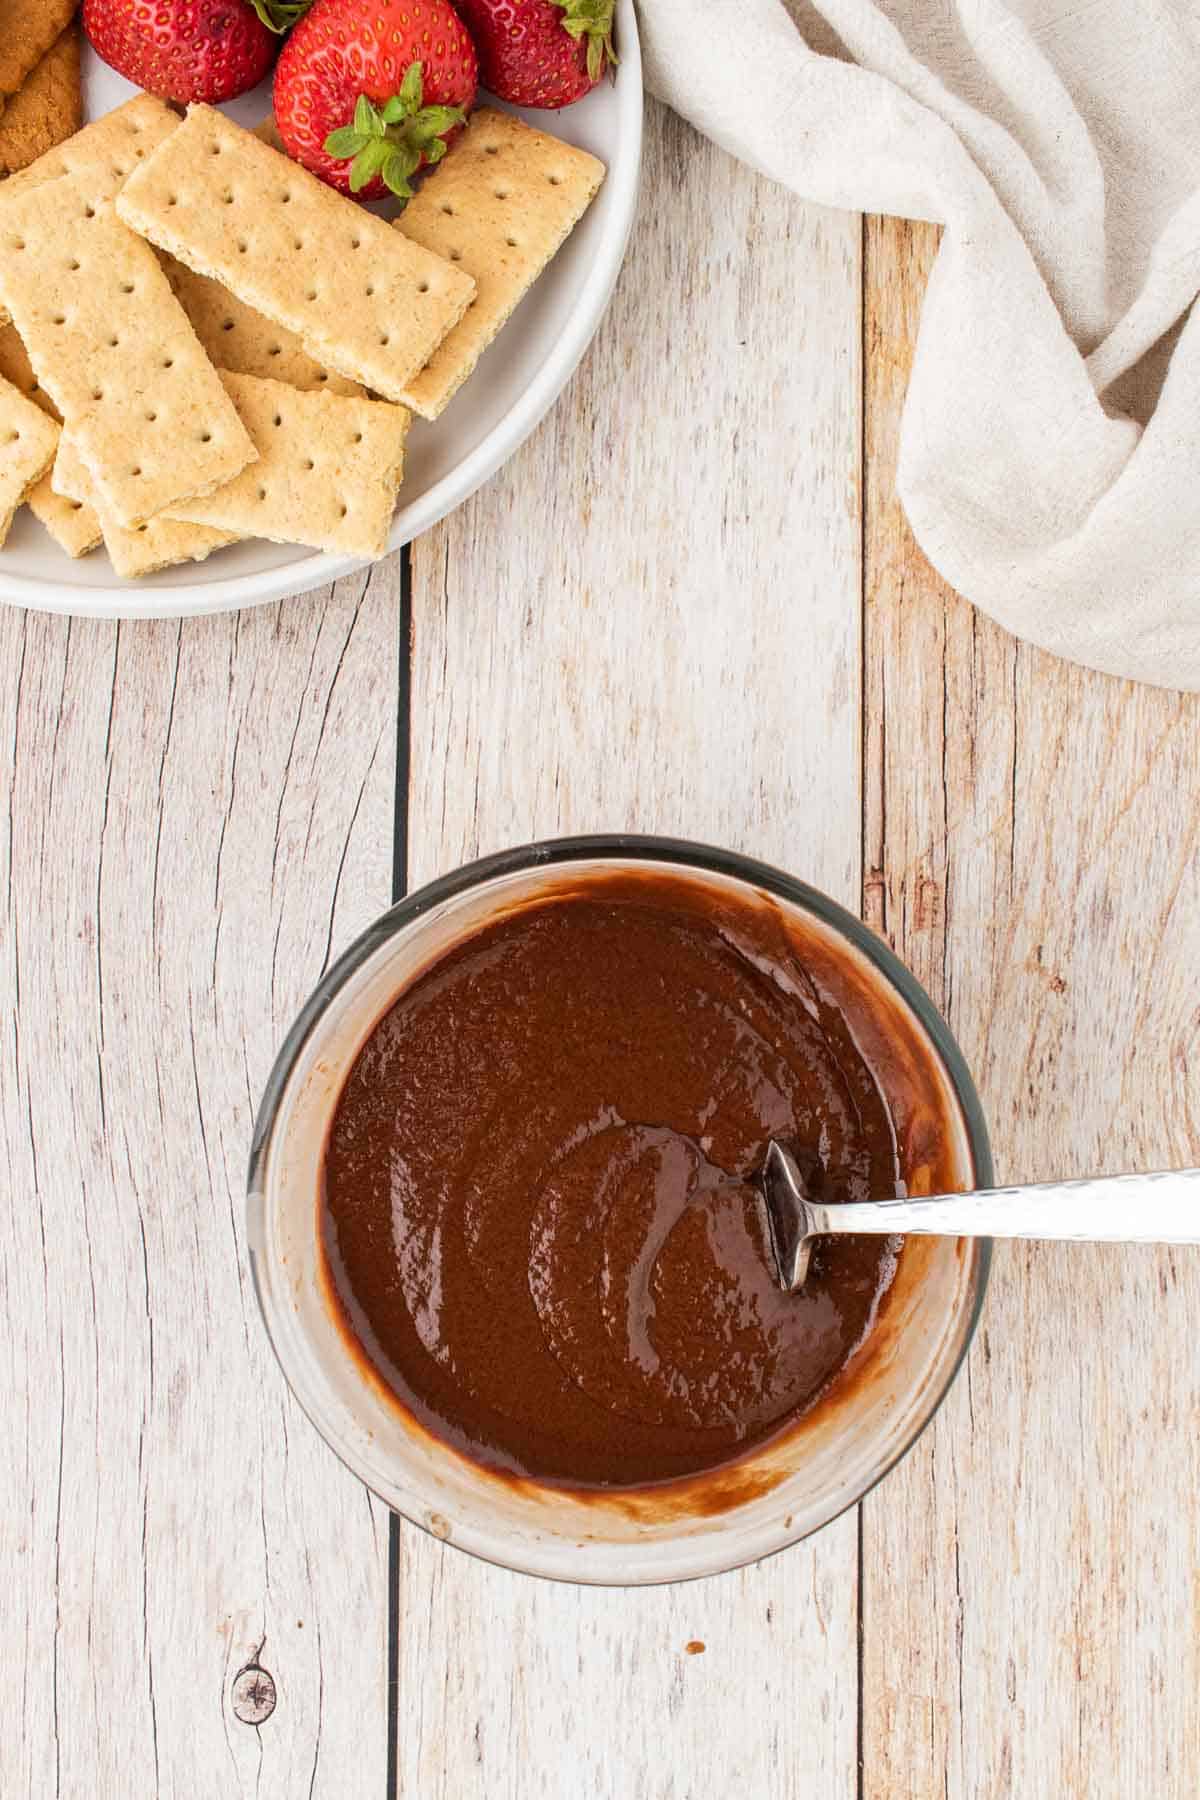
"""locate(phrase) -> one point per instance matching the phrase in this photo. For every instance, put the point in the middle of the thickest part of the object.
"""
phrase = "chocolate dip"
(538, 1222)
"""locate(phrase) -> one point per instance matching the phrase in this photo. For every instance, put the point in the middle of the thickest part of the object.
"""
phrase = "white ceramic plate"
(516, 383)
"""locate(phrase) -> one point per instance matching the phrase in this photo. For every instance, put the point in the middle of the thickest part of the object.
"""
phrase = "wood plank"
(198, 815)
(1031, 1598)
(650, 621)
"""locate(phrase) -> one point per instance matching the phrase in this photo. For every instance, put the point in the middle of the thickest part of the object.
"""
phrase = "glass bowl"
(791, 1486)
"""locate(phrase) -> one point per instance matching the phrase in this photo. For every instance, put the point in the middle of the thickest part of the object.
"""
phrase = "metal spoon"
(1161, 1208)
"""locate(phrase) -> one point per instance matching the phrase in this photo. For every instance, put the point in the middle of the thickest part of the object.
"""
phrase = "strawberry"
(368, 91)
(541, 52)
(188, 49)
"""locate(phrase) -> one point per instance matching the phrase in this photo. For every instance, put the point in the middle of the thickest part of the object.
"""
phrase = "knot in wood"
(253, 1695)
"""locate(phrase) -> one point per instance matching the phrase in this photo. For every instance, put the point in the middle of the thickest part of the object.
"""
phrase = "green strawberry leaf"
(280, 15)
(395, 139)
(368, 163)
(397, 169)
(412, 89)
(343, 144)
(593, 20)
(436, 119)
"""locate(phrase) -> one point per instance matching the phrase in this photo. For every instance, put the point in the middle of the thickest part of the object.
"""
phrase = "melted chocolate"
(537, 1214)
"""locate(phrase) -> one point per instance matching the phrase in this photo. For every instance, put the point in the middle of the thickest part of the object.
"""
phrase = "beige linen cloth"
(1050, 452)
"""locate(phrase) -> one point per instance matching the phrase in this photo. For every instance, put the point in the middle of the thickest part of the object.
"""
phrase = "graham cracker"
(500, 205)
(115, 352)
(100, 156)
(365, 302)
(142, 549)
(28, 440)
(68, 476)
(28, 28)
(104, 152)
(73, 526)
(46, 110)
(71, 523)
(16, 367)
(239, 339)
(268, 131)
(327, 472)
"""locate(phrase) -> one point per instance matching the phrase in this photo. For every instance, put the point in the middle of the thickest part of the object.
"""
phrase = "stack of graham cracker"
(39, 79)
(206, 344)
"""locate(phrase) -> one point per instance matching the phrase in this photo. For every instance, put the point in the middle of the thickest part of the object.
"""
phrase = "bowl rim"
(133, 600)
(623, 847)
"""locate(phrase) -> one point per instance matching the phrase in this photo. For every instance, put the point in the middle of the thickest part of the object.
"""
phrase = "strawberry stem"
(393, 140)
(593, 20)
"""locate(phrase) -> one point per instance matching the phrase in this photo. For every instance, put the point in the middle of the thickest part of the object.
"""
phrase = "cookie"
(46, 110)
(72, 524)
(104, 152)
(28, 29)
(364, 301)
(500, 205)
(327, 471)
(16, 367)
(28, 440)
(114, 350)
(100, 156)
(141, 549)
(239, 339)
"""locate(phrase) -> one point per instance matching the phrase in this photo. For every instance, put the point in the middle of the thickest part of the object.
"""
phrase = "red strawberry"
(187, 49)
(367, 91)
(541, 52)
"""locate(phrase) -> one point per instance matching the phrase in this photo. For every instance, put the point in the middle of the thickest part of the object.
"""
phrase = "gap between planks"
(649, 620)
(964, 757)
(177, 867)
(1031, 833)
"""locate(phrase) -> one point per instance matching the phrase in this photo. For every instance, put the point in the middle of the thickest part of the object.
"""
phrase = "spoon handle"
(1160, 1208)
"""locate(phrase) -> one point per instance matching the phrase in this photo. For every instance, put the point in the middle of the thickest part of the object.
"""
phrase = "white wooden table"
(690, 606)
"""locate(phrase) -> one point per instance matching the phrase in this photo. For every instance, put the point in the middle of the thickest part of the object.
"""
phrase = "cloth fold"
(1050, 447)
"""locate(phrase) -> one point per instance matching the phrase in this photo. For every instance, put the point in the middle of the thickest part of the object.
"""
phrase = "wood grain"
(650, 621)
(1031, 1598)
(198, 813)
